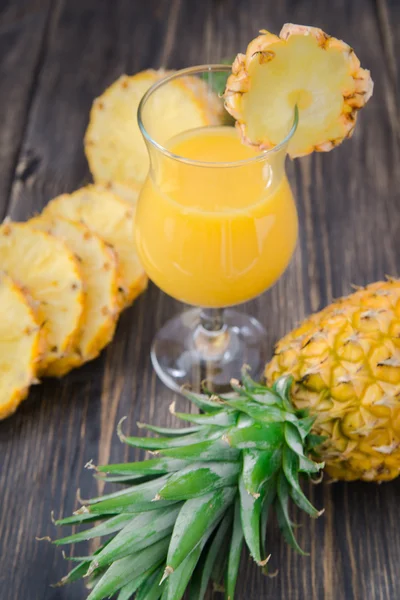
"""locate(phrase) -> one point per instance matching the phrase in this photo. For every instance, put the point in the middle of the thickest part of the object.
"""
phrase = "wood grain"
(55, 58)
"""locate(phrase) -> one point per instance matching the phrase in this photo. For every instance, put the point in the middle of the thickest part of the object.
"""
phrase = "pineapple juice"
(215, 235)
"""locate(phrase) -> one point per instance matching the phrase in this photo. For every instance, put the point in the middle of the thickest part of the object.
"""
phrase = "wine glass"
(216, 225)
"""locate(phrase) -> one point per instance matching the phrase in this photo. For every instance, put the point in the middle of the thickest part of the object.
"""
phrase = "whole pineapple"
(345, 361)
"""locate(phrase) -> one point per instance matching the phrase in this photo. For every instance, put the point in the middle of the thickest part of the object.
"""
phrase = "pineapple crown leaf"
(214, 482)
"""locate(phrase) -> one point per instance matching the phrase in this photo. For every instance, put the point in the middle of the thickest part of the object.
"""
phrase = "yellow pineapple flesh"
(112, 218)
(99, 269)
(302, 66)
(114, 145)
(51, 274)
(345, 361)
(129, 193)
(20, 345)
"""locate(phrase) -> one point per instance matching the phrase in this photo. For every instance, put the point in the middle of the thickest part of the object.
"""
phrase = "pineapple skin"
(346, 364)
(239, 84)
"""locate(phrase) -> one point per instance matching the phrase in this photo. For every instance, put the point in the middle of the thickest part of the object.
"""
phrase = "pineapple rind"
(99, 271)
(20, 346)
(346, 364)
(327, 60)
(112, 218)
(48, 270)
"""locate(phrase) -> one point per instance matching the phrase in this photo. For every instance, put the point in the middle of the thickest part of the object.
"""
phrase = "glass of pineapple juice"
(216, 225)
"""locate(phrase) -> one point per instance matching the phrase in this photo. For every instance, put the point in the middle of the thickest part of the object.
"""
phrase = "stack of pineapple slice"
(70, 271)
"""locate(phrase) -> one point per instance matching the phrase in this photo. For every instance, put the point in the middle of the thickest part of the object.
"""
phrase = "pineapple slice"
(112, 218)
(20, 346)
(114, 146)
(51, 274)
(129, 193)
(99, 270)
(304, 67)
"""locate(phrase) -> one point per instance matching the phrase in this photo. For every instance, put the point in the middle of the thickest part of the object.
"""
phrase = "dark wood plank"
(350, 217)
(23, 37)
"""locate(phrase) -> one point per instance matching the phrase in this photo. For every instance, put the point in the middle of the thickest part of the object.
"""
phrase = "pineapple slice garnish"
(305, 67)
(99, 268)
(20, 346)
(51, 274)
(114, 145)
(112, 218)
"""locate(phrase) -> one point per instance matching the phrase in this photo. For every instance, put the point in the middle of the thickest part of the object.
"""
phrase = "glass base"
(186, 352)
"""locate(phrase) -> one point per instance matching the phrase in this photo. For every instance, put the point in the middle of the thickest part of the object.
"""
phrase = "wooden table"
(55, 57)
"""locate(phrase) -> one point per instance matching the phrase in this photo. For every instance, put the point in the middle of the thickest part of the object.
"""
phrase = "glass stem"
(212, 319)
(211, 337)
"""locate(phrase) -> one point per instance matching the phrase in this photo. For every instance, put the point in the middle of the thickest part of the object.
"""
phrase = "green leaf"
(142, 531)
(245, 421)
(199, 479)
(110, 526)
(179, 579)
(222, 418)
(202, 575)
(79, 518)
(242, 394)
(282, 513)
(290, 464)
(144, 491)
(130, 588)
(270, 495)
(122, 571)
(293, 439)
(94, 578)
(261, 413)
(133, 479)
(215, 450)
(257, 436)
(283, 386)
(151, 589)
(251, 386)
(218, 570)
(169, 431)
(315, 440)
(140, 498)
(80, 570)
(307, 465)
(154, 466)
(258, 466)
(250, 512)
(146, 443)
(76, 573)
(304, 426)
(207, 404)
(268, 398)
(195, 518)
(235, 551)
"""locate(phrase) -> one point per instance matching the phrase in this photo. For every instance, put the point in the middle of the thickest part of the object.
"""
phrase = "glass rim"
(201, 163)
